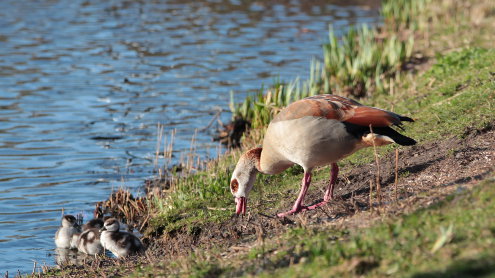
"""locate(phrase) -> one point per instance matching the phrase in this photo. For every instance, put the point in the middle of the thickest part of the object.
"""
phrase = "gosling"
(89, 242)
(65, 234)
(121, 244)
(96, 223)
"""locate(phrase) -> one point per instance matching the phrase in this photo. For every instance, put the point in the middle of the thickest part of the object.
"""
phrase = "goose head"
(243, 178)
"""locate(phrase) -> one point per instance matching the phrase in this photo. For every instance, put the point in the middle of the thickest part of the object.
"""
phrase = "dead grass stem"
(377, 162)
(396, 174)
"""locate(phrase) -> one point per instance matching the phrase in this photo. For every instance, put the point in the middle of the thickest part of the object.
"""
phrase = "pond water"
(84, 83)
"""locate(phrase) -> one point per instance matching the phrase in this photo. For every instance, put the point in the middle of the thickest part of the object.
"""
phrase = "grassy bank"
(360, 60)
(446, 81)
(456, 93)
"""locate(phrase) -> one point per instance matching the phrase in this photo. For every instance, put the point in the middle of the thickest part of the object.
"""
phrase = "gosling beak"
(241, 204)
(103, 229)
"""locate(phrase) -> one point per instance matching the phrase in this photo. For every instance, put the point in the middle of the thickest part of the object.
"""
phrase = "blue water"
(75, 70)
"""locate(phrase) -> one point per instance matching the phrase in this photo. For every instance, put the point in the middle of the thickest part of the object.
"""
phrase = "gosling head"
(111, 225)
(69, 221)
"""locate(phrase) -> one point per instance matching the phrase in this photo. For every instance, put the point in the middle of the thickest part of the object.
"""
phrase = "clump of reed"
(121, 204)
(357, 65)
(259, 109)
(362, 59)
(403, 14)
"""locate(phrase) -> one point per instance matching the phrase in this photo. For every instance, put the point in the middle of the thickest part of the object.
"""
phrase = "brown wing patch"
(315, 107)
(338, 108)
(365, 116)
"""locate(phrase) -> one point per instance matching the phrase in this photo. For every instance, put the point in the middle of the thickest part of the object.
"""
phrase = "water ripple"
(84, 83)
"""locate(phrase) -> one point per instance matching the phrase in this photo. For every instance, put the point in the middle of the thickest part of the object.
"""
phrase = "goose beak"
(241, 204)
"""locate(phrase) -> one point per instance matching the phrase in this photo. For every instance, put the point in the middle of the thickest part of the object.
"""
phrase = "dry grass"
(135, 212)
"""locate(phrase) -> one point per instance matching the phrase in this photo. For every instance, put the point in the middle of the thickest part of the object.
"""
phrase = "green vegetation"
(453, 238)
(191, 201)
(356, 65)
(405, 14)
(458, 92)
(361, 61)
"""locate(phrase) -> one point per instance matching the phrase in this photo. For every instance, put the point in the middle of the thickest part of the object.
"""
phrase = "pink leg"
(329, 192)
(298, 204)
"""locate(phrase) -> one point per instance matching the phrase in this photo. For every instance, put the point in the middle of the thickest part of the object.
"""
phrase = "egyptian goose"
(120, 243)
(67, 231)
(312, 132)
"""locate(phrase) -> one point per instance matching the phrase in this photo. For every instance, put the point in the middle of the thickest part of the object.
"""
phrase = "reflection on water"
(84, 83)
(65, 256)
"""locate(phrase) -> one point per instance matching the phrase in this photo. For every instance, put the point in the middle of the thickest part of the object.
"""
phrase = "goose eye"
(234, 185)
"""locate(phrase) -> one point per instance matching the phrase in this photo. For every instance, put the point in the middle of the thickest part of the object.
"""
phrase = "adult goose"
(315, 131)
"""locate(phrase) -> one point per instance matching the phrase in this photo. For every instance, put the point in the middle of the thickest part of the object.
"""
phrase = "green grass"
(190, 204)
(454, 237)
(455, 94)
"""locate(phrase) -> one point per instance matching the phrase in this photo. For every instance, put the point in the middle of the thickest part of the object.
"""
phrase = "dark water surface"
(74, 72)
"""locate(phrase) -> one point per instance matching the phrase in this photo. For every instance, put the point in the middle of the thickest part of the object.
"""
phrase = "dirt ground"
(427, 173)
